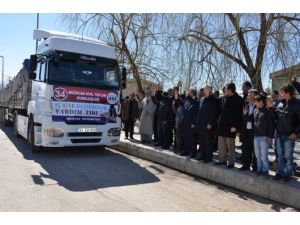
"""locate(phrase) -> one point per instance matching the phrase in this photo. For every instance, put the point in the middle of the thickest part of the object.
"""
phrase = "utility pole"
(37, 27)
(2, 70)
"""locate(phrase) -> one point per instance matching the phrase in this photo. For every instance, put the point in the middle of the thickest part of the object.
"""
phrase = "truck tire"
(33, 147)
(16, 133)
(6, 122)
(101, 148)
(1, 115)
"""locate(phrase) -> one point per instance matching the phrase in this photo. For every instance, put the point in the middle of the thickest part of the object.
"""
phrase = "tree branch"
(242, 42)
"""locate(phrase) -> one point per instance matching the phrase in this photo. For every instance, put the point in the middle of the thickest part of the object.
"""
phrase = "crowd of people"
(196, 124)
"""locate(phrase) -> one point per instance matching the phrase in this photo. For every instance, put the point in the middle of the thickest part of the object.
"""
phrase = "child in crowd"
(263, 133)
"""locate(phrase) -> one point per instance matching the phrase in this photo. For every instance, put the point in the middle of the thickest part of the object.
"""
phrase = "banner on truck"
(81, 105)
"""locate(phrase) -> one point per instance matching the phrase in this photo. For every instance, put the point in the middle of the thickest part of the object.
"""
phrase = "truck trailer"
(67, 94)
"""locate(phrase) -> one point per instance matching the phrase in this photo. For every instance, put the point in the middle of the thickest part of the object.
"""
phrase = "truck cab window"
(42, 71)
(110, 76)
(38, 71)
(83, 73)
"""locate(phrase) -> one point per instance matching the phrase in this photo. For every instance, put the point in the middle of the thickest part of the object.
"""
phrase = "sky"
(16, 37)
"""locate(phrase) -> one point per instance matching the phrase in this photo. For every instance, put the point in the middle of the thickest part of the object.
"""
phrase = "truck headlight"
(54, 132)
(114, 132)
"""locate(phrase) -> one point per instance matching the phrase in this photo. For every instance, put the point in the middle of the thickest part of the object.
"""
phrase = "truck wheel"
(6, 122)
(16, 133)
(34, 148)
(1, 115)
(101, 148)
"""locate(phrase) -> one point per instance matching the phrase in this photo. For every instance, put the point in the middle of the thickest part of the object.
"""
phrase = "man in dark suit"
(164, 121)
(156, 99)
(130, 114)
(189, 123)
(229, 123)
(207, 123)
(216, 95)
(248, 156)
(245, 88)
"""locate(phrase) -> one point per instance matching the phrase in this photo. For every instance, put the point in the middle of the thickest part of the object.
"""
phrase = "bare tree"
(149, 45)
(187, 59)
(246, 39)
(129, 34)
(196, 48)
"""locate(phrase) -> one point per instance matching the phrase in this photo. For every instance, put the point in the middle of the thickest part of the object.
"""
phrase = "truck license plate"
(87, 130)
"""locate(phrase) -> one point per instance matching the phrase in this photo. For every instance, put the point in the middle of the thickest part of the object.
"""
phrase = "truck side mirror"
(32, 67)
(33, 63)
(32, 75)
(124, 77)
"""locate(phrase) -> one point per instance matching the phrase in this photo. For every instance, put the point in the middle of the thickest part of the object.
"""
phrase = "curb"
(285, 193)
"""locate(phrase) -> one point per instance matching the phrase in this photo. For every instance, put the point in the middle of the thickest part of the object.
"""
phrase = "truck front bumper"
(78, 135)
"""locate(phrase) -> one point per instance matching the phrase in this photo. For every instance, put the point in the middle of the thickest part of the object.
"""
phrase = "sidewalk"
(286, 193)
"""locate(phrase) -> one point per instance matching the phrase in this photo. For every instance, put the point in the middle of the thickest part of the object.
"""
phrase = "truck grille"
(79, 141)
(88, 134)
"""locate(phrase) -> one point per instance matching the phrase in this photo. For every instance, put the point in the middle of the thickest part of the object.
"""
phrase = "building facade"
(284, 76)
(131, 87)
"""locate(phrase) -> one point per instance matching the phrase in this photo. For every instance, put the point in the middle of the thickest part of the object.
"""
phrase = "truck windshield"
(77, 72)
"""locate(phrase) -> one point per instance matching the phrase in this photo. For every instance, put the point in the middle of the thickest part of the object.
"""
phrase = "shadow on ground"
(83, 169)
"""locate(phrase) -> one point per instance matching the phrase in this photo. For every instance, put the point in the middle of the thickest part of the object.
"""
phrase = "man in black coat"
(245, 88)
(296, 84)
(229, 123)
(207, 123)
(171, 131)
(287, 130)
(216, 95)
(189, 123)
(130, 114)
(248, 156)
(164, 118)
(156, 99)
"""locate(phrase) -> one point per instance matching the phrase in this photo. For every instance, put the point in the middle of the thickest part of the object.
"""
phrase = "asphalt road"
(88, 179)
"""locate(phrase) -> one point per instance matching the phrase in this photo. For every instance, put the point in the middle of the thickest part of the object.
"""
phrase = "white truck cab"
(73, 93)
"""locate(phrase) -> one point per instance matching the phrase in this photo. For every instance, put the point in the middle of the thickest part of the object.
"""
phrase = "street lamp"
(2, 70)
(37, 27)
